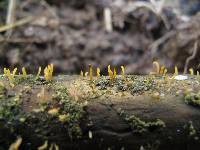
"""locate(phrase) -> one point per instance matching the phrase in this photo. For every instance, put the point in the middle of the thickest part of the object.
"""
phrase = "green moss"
(132, 84)
(191, 131)
(139, 126)
(73, 109)
(30, 81)
(193, 99)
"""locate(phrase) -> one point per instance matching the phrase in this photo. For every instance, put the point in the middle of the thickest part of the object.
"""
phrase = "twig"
(108, 19)
(11, 14)
(154, 46)
(16, 24)
(194, 53)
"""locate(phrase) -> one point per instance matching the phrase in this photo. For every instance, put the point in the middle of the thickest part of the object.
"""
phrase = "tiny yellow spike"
(162, 69)
(14, 72)
(38, 73)
(197, 73)
(86, 74)
(176, 70)
(44, 146)
(157, 66)
(82, 74)
(56, 147)
(110, 73)
(91, 72)
(48, 72)
(114, 74)
(24, 74)
(123, 71)
(191, 71)
(16, 144)
(98, 72)
(165, 71)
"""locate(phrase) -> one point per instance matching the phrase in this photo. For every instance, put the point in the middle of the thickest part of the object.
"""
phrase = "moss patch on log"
(139, 126)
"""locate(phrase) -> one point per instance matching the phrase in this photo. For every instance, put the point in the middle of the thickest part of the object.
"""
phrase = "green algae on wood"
(139, 126)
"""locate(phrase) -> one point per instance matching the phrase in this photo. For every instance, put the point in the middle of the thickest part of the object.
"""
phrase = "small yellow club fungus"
(44, 146)
(176, 70)
(157, 67)
(98, 72)
(53, 111)
(110, 73)
(191, 71)
(123, 71)
(90, 134)
(64, 118)
(115, 73)
(86, 74)
(197, 73)
(162, 69)
(16, 144)
(91, 72)
(38, 74)
(9, 75)
(24, 74)
(82, 74)
(48, 72)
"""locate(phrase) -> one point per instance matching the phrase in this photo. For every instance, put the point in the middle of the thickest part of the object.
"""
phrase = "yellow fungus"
(91, 72)
(56, 147)
(197, 73)
(53, 111)
(162, 69)
(9, 75)
(86, 74)
(176, 70)
(48, 72)
(38, 74)
(81, 73)
(157, 66)
(123, 71)
(98, 72)
(110, 73)
(63, 118)
(51, 147)
(114, 74)
(191, 71)
(16, 144)
(165, 71)
(24, 74)
(90, 134)
(44, 146)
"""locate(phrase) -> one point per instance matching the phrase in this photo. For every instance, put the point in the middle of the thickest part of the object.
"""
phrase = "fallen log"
(73, 112)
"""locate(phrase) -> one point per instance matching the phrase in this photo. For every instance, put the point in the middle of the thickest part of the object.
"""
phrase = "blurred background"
(74, 33)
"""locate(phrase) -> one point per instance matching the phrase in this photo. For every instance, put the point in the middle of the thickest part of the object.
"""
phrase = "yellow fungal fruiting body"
(38, 74)
(123, 71)
(110, 73)
(176, 70)
(197, 73)
(9, 75)
(157, 66)
(81, 73)
(16, 144)
(44, 146)
(48, 72)
(24, 74)
(191, 71)
(98, 72)
(115, 73)
(91, 72)
(53, 111)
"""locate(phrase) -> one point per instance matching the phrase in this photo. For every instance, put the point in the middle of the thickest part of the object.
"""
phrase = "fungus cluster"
(48, 72)
(111, 73)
